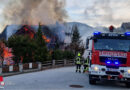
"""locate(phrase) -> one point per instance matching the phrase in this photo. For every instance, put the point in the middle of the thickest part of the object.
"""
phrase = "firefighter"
(86, 65)
(78, 63)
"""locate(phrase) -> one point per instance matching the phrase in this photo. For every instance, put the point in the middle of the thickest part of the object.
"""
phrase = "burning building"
(7, 55)
(52, 34)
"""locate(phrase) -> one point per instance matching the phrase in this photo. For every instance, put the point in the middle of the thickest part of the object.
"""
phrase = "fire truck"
(110, 57)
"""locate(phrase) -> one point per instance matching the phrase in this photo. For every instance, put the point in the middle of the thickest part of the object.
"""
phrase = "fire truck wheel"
(127, 84)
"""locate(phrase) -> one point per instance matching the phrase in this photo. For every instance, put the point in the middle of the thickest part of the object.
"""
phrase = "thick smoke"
(34, 11)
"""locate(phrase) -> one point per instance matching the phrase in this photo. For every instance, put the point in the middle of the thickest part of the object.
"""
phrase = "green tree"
(76, 35)
(58, 54)
(39, 39)
(22, 46)
(75, 45)
(68, 55)
(41, 53)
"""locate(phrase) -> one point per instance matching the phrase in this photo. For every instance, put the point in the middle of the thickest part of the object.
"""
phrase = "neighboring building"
(126, 26)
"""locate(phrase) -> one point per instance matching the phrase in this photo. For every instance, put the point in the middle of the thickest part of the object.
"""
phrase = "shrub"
(68, 55)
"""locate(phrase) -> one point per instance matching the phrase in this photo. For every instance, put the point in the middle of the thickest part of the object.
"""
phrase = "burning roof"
(26, 30)
(52, 34)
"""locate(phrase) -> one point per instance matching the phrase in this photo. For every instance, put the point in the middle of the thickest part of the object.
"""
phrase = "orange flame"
(46, 39)
(6, 53)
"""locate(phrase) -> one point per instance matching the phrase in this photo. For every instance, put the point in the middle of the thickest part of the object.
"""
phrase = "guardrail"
(38, 66)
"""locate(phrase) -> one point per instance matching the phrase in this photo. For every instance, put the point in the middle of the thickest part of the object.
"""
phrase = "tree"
(68, 54)
(23, 47)
(41, 53)
(76, 35)
(75, 45)
(39, 39)
(58, 54)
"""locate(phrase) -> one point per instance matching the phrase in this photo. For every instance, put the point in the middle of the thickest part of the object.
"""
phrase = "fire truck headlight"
(96, 68)
(2, 83)
(128, 71)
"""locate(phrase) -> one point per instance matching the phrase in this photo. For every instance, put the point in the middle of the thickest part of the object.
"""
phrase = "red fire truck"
(110, 57)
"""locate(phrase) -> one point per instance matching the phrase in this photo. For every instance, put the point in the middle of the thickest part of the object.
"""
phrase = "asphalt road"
(56, 79)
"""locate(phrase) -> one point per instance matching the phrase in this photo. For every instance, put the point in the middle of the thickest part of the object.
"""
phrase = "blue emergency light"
(127, 33)
(108, 62)
(97, 33)
(116, 63)
(112, 62)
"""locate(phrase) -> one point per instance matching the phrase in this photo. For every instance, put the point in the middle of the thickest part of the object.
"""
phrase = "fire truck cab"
(110, 57)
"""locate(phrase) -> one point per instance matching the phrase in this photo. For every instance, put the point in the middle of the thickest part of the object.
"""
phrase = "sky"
(99, 12)
(91, 12)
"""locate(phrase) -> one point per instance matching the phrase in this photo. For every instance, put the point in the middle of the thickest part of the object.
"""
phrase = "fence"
(38, 65)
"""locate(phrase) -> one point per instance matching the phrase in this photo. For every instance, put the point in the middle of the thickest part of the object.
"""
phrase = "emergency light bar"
(97, 33)
(127, 34)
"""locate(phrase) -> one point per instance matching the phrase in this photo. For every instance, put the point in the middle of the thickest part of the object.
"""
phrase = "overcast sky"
(92, 12)
(99, 12)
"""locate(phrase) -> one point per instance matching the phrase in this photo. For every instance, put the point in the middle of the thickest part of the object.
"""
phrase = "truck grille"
(112, 73)
(114, 67)
(121, 60)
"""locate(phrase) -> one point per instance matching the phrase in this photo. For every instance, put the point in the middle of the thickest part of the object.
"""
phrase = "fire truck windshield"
(112, 45)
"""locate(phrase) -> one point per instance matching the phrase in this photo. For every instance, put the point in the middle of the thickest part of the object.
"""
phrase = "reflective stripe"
(86, 63)
(78, 60)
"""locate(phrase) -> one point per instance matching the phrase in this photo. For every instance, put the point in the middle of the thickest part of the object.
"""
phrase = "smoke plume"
(34, 11)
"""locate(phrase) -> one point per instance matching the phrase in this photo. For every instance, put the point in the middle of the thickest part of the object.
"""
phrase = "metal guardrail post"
(20, 67)
(53, 62)
(65, 62)
(30, 65)
(11, 68)
(39, 65)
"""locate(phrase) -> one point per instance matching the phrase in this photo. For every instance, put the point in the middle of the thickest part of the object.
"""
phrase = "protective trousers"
(78, 67)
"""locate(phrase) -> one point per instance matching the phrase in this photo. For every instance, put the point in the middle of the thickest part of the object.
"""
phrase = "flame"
(7, 53)
(46, 39)
(27, 28)
(31, 35)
